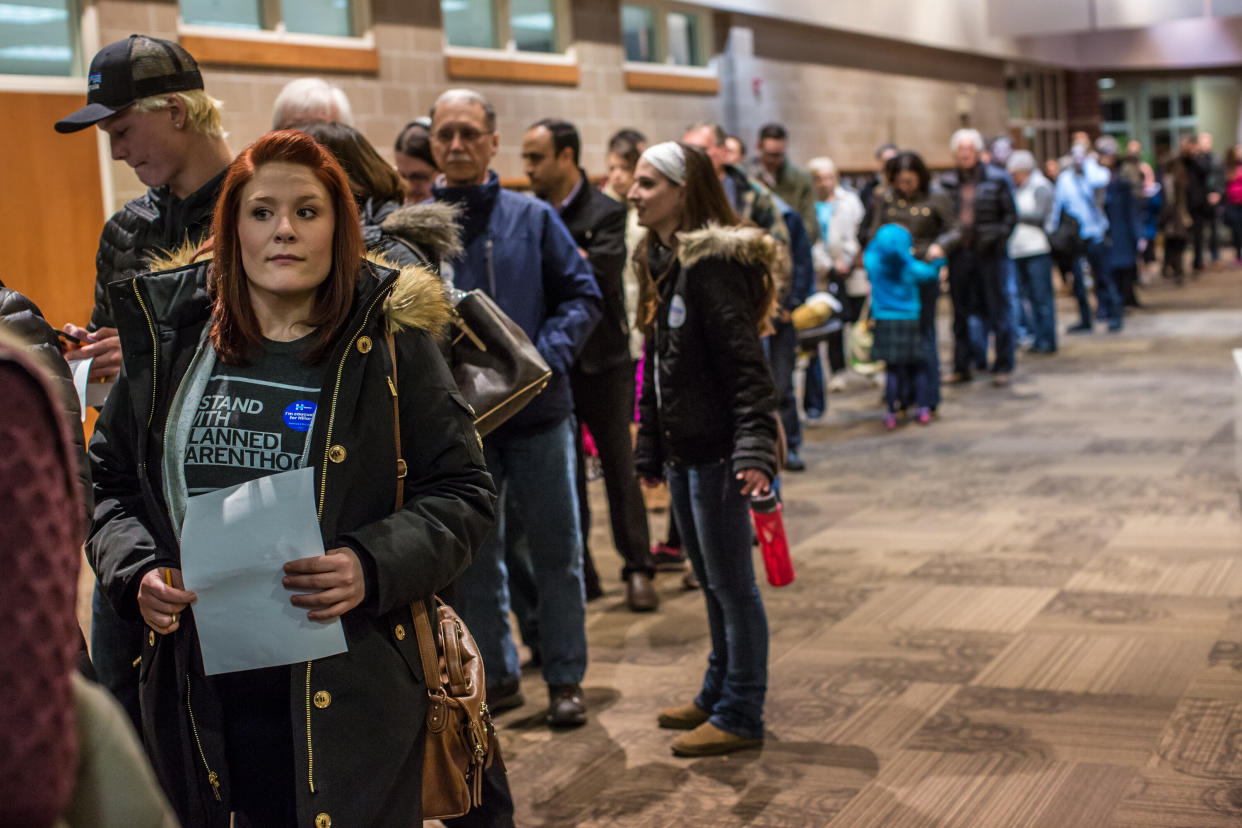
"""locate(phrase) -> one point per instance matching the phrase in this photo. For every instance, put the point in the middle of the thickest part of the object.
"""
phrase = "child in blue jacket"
(895, 275)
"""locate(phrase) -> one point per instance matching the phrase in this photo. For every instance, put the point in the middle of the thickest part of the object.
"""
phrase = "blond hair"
(202, 112)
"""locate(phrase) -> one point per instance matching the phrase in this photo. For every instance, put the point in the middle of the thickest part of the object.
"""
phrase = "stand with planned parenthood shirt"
(234, 545)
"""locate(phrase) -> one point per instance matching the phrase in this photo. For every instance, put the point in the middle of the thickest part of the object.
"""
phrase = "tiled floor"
(1027, 614)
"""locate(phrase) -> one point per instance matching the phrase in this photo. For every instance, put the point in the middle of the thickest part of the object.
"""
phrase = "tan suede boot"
(686, 717)
(709, 740)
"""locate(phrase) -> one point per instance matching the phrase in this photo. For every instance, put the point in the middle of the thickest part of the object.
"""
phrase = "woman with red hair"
(278, 346)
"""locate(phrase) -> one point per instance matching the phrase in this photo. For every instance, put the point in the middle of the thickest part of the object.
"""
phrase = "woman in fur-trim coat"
(273, 356)
(708, 422)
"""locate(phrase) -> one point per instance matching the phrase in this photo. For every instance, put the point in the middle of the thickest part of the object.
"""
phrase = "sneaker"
(686, 717)
(505, 697)
(961, 377)
(890, 422)
(1080, 328)
(838, 383)
(566, 705)
(709, 740)
(794, 463)
(1000, 379)
(924, 416)
(668, 558)
(1114, 327)
(690, 581)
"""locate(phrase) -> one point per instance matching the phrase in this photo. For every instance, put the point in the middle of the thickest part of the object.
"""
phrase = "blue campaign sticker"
(677, 312)
(298, 415)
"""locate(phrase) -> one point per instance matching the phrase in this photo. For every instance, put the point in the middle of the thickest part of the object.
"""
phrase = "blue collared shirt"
(1077, 194)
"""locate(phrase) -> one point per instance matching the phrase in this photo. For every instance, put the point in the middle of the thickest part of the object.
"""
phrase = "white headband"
(669, 159)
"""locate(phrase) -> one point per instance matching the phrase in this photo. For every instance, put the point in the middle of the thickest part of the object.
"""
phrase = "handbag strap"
(418, 609)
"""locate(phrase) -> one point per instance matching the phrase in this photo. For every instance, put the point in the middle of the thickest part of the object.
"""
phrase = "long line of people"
(665, 303)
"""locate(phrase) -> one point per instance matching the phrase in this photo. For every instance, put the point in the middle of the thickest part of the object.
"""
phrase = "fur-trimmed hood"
(742, 243)
(432, 226)
(417, 299)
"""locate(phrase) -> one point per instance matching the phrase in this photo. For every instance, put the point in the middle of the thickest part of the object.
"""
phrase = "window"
(638, 33)
(1114, 110)
(38, 37)
(514, 25)
(316, 17)
(1160, 108)
(658, 33)
(1186, 105)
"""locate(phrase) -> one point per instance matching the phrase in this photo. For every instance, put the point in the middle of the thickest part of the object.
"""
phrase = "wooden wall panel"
(51, 210)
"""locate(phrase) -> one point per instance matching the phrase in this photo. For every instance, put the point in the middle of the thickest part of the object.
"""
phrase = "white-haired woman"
(1029, 247)
(707, 420)
(840, 213)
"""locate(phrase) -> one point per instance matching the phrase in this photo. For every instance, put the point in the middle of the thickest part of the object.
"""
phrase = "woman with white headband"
(707, 419)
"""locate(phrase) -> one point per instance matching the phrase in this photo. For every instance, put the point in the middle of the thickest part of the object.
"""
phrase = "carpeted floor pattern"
(1028, 613)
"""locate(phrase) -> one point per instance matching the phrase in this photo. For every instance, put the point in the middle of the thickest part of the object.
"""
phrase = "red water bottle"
(765, 510)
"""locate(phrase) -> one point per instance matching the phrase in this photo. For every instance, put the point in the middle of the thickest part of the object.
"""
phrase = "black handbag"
(1065, 240)
(497, 367)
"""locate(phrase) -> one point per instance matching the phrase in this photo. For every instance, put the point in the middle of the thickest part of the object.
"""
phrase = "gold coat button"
(399, 632)
(322, 699)
(151, 637)
(364, 344)
(337, 454)
(323, 821)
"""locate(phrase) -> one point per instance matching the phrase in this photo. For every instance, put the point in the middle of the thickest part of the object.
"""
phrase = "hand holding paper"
(337, 577)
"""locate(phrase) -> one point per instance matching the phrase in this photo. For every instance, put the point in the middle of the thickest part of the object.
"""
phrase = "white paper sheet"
(234, 543)
(89, 393)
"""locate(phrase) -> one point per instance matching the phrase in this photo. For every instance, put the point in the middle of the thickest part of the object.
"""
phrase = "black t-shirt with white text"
(253, 420)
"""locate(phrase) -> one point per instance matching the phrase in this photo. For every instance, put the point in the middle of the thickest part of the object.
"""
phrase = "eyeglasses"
(467, 134)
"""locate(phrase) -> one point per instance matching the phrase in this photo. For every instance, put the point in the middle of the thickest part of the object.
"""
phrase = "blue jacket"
(1124, 231)
(802, 275)
(895, 273)
(517, 250)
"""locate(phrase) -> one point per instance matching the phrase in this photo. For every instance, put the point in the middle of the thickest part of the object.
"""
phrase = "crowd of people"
(308, 274)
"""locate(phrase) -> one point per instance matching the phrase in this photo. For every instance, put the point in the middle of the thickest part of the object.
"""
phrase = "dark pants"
(1175, 256)
(929, 296)
(1035, 280)
(115, 645)
(1204, 225)
(1080, 293)
(782, 349)
(978, 286)
(258, 742)
(1106, 296)
(904, 383)
(605, 403)
(1233, 220)
(1124, 278)
(814, 400)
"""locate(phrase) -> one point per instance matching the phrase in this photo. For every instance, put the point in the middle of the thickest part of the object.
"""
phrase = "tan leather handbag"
(461, 740)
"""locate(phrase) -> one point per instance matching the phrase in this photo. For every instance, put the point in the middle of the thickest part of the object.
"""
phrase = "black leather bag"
(497, 367)
(1065, 240)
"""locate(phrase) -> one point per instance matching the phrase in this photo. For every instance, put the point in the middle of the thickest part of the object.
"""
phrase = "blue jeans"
(1107, 298)
(1035, 280)
(115, 645)
(929, 297)
(1020, 319)
(535, 476)
(714, 518)
(813, 399)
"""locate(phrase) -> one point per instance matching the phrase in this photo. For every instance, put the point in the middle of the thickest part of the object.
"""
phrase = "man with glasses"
(518, 251)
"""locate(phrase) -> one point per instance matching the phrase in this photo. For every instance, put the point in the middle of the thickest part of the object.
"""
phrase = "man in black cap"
(147, 94)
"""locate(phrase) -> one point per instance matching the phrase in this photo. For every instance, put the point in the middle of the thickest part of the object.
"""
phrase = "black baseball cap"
(130, 69)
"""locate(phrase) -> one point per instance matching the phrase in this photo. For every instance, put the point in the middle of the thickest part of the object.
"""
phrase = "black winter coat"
(357, 717)
(597, 224)
(154, 224)
(708, 394)
(20, 316)
(995, 214)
